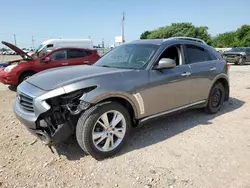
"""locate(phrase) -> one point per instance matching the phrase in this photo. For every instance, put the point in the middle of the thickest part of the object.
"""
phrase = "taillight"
(227, 65)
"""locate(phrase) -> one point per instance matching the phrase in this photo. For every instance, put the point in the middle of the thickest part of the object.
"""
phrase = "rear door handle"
(212, 69)
(186, 74)
(65, 63)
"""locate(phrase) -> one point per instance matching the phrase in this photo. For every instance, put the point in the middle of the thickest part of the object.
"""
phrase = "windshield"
(129, 56)
(237, 50)
(39, 48)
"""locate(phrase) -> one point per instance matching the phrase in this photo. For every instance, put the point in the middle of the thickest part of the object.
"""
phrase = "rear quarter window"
(76, 54)
(197, 54)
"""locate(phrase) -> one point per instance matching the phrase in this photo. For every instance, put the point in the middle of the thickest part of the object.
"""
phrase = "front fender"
(96, 96)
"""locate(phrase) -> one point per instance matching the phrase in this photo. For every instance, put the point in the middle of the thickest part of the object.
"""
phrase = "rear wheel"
(25, 76)
(216, 98)
(102, 130)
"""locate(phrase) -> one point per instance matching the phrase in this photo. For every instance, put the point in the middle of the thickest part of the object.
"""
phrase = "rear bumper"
(6, 78)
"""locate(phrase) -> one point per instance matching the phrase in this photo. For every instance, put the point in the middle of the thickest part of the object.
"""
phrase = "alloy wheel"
(109, 131)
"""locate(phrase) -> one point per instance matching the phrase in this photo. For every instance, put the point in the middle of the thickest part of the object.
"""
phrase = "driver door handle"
(65, 63)
(186, 74)
(212, 69)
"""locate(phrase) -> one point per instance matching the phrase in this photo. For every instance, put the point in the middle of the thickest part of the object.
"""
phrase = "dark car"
(238, 56)
(131, 84)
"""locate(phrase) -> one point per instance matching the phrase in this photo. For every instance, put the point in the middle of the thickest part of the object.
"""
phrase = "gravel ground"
(191, 149)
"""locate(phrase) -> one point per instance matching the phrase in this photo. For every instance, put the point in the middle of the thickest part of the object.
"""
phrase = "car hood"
(17, 50)
(59, 77)
(234, 53)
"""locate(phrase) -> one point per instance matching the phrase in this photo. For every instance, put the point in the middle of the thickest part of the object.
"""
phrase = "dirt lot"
(191, 149)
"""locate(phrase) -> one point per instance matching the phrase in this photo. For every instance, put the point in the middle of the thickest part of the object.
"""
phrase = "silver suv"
(131, 84)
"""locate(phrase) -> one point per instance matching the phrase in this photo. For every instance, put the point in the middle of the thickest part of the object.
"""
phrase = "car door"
(55, 59)
(78, 57)
(168, 89)
(203, 70)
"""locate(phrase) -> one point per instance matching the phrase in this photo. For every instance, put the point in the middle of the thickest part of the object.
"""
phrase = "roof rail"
(188, 38)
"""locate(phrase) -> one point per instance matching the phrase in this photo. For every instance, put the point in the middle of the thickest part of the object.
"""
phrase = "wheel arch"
(223, 79)
(25, 72)
(125, 101)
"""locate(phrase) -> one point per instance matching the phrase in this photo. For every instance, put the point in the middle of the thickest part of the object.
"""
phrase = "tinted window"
(88, 53)
(58, 55)
(248, 50)
(198, 54)
(76, 54)
(49, 45)
(237, 50)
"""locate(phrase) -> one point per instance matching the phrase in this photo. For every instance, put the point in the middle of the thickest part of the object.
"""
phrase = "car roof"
(171, 39)
(72, 48)
(148, 41)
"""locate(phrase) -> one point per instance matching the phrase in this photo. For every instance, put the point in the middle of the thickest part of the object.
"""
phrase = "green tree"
(179, 29)
(225, 40)
(3, 49)
(238, 38)
(145, 34)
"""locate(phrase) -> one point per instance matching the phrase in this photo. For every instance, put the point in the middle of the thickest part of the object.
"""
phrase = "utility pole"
(33, 46)
(123, 20)
(14, 38)
(102, 42)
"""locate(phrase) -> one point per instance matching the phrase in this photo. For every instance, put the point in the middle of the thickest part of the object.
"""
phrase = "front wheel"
(102, 130)
(242, 61)
(25, 76)
(216, 98)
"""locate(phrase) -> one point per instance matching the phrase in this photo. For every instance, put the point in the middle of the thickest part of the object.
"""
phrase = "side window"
(58, 55)
(197, 54)
(76, 54)
(49, 46)
(173, 52)
(248, 50)
(88, 52)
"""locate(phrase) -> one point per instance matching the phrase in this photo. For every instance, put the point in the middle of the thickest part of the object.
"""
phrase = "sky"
(101, 19)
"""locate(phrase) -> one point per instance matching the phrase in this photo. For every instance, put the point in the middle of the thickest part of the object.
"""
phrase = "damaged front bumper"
(39, 128)
(43, 114)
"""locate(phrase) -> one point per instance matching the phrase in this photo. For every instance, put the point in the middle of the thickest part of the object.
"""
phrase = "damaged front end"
(59, 122)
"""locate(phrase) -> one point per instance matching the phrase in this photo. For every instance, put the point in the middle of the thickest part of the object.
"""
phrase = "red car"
(19, 70)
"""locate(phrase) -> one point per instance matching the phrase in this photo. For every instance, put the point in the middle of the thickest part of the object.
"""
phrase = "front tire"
(216, 98)
(102, 130)
(25, 76)
(242, 61)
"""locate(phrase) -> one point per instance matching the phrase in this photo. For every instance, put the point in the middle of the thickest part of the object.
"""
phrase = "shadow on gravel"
(157, 130)
(70, 149)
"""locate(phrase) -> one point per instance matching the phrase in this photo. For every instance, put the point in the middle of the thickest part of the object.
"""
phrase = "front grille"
(26, 102)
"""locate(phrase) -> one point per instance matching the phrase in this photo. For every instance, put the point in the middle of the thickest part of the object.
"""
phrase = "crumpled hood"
(58, 77)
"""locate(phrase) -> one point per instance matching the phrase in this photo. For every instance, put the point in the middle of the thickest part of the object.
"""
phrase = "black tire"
(242, 61)
(86, 125)
(215, 99)
(25, 76)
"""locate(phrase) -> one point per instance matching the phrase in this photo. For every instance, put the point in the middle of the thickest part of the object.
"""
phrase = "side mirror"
(166, 63)
(46, 59)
